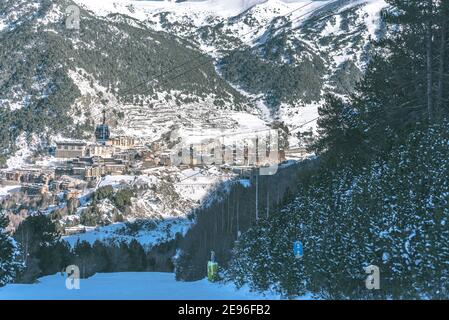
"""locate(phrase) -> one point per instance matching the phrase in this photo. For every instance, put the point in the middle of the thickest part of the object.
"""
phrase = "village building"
(34, 188)
(165, 159)
(92, 168)
(70, 149)
(121, 142)
(74, 230)
(100, 150)
(30, 176)
(66, 183)
(115, 169)
(93, 172)
(72, 194)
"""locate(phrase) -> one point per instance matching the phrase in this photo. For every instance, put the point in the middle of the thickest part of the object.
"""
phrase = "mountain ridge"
(266, 64)
(297, 30)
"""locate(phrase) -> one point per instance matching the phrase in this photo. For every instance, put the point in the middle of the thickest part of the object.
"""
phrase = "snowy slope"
(129, 286)
(162, 231)
(222, 8)
(247, 20)
(208, 13)
(160, 210)
(4, 191)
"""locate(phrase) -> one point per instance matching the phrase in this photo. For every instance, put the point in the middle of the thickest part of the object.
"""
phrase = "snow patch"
(130, 286)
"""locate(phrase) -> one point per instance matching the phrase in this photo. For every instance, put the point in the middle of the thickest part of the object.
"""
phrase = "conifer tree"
(9, 265)
(36, 236)
(338, 130)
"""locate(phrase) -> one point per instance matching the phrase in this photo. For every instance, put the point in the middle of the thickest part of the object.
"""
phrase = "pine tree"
(37, 236)
(392, 211)
(85, 259)
(9, 265)
(137, 256)
(406, 81)
(102, 259)
(339, 134)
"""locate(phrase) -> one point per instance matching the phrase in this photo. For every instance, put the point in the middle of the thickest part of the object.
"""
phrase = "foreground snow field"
(128, 286)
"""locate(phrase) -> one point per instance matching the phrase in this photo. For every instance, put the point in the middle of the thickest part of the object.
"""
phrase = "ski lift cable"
(193, 175)
(302, 125)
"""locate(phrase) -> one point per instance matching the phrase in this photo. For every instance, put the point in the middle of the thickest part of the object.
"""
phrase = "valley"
(174, 141)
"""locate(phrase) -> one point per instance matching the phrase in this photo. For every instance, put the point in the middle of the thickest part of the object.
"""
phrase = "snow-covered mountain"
(161, 65)
(198, 67)
(283, 54)
(54, 82)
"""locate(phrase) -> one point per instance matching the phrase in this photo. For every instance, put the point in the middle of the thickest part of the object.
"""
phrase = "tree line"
(36, 250)
(380, 194)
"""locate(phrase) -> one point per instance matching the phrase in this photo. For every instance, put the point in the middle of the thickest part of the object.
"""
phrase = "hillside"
(64, 78)
(157, 66)
(385, 213)
(353, 203)
(284, 54)
(379, 195)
